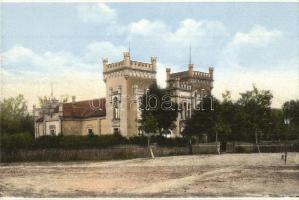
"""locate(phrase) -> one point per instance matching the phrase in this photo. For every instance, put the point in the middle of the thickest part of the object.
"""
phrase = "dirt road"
(177, 176)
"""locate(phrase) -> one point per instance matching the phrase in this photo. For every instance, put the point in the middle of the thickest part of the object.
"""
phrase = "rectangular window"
(89, 131)
(115, 131)
(52, 130)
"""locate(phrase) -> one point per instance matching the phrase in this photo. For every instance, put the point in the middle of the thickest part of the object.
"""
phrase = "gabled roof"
(83, 109)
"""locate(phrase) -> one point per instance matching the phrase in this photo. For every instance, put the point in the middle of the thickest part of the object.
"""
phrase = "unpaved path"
(177, 176)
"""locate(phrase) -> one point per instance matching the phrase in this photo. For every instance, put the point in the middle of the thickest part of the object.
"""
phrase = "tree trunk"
(149, 147)
(256, 142)
(190, 146)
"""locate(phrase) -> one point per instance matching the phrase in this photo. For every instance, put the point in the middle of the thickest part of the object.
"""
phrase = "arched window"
(181, 110)
(189, 110)
(138, 106)
(115, 108)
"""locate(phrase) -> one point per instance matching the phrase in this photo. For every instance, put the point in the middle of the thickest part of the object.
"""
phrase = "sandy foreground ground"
(177, 176)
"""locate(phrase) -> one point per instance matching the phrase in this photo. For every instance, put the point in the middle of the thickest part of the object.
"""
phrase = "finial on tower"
(190, 66)
(129, 46)
(51, 90)
(190, 61)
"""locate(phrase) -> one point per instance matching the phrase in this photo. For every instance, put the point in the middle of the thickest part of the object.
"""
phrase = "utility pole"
(286, 122)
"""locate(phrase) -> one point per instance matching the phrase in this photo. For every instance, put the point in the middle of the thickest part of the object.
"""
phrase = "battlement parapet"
(127, 63)
(135, 65)
(141, 65)
(114, 65)
(204, 75)
(178, 75)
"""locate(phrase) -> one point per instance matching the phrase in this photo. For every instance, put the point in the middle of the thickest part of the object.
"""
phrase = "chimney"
(73, 99)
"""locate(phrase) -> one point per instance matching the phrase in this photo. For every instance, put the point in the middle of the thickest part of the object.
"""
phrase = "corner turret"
(154, 63)
(127, 59)
(105, 62)
(190, 70)
(211, 71)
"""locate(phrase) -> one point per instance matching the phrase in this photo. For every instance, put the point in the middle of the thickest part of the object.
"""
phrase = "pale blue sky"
(245, 42)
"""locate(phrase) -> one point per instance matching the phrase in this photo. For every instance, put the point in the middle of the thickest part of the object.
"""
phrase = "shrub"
(16, 141)
(159, 140)
(45, 142)
(10, 142)
(170, 142)
(138, 140)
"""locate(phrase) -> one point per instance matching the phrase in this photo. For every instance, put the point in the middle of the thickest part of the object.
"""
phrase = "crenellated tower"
(187, 88)
(126, 81)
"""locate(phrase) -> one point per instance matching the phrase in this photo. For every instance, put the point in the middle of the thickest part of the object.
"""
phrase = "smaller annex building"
(72, 118)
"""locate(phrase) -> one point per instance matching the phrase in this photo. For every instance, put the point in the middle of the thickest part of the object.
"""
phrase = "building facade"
(126, 82)
(74, 118)
(187, 88)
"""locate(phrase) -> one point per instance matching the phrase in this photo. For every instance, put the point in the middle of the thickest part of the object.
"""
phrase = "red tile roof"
(83, 109)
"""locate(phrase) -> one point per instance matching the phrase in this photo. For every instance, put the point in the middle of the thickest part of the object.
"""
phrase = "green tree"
(291, 110)
(276, 125)
(149, 123)
(247, 119)
(206, 120)
(254, 113)
(157, 102)
(15, 117)
(149, 126)
(228, 118)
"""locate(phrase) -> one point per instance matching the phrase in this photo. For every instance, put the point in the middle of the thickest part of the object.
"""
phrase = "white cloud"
(18, 54)
(99, 13)
(82, 84)
(20, 58)
(146, 27)
(236, 70)
(104, 49)
(30, 73)
(189, 30)
(194, 31)
(258, 35)
(282, 81)
(248, 48)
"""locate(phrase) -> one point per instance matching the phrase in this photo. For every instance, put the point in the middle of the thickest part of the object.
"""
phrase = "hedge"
(11, 142)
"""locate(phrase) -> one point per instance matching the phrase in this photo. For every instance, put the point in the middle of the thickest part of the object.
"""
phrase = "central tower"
(126, 81)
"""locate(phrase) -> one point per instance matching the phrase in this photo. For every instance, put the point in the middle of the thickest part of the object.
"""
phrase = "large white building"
(126, 81)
